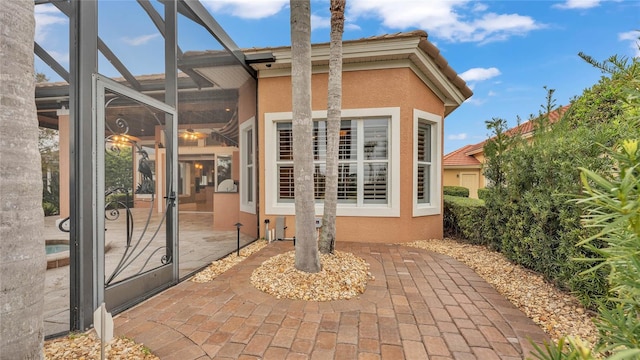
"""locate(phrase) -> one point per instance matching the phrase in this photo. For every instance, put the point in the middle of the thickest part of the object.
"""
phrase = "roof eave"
(424, 57)
(478, 166)
(474, 152)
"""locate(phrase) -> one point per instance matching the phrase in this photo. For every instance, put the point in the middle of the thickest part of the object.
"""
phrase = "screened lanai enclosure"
(147, 106)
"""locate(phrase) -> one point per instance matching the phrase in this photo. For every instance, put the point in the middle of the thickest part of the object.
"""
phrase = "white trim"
(245, 205)
(434, 72)
(435, 207)
(369, 54)
(347, 67)
(392, 209)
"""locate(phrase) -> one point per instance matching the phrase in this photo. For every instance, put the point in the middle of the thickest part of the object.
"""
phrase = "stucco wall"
(365, 89)
(452, 177)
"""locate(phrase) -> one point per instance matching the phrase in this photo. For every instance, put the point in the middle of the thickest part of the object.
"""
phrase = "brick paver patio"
(421, 305)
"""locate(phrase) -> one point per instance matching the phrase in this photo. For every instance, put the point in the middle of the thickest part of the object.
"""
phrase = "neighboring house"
(463, 167)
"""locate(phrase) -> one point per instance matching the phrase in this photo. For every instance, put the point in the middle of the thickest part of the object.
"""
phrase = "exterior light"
(238, 225)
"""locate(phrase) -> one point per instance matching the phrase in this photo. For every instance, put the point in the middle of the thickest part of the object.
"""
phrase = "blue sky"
(507, 51)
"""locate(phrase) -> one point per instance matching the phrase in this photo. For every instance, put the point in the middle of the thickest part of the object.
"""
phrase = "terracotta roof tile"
(460, 158)
(524, 129)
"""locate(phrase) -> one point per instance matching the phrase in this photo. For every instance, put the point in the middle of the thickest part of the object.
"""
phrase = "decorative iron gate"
(135, 212)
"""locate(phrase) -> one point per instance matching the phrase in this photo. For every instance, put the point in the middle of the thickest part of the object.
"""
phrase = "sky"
(507, 51)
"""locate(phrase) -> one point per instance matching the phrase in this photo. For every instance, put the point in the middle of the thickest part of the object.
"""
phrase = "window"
(424, 162)
(247, 167)
(426, 185)
(365, 162)
(369, 154)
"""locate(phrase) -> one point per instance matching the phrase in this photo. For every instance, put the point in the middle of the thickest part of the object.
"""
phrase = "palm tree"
(307, 257)
(334, 106)
(22, 253)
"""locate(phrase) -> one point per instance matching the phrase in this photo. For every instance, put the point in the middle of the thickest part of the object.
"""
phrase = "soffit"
(387, 52)
(225, 77)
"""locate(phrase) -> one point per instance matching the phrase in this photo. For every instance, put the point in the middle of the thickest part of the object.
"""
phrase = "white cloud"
(480, 74)
(246, 9)
(453, 20)
(634, 38)
(480, 7)
(319, 22)
(475, 101)
(492, 93)
(46, 16)
(351, 26)
(139, 40)
(494, 27)
(578, 4)
(462, 136)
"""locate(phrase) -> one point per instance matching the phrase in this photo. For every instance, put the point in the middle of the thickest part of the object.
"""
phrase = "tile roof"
(524, 129)
(460, 158)
(433, 52)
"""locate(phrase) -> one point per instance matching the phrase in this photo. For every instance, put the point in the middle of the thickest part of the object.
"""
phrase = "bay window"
(366, 184)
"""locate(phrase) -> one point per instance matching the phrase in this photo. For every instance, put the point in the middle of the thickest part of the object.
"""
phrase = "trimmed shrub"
(460, 191)
(463, 218)
(529, 217)
(482, 193)
(611, 211)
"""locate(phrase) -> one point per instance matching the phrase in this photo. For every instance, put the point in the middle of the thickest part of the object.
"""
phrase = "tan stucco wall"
(452, 177)
(364, 89)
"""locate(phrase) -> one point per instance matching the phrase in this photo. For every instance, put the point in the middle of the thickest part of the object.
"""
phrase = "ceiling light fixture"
(190, 134)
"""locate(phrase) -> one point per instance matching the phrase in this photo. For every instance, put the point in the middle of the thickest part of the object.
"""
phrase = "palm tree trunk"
(334, 107)
(22, 253)
(307, 257)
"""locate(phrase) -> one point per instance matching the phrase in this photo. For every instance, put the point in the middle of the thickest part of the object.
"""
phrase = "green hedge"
(482, 193)
(463, 218)
(529, 216)
(456, 191)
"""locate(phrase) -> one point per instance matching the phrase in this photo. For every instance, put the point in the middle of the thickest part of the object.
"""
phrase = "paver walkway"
(421, 305)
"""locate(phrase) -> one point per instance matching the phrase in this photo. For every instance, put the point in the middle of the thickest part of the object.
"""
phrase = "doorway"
(135, 197)
(470, 181)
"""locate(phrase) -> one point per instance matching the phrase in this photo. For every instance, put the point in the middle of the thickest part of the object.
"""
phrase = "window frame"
(247, 169)
(390, 209)
(434, 207)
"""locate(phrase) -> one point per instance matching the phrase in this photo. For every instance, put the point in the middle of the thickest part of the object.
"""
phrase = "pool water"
(56, 248)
